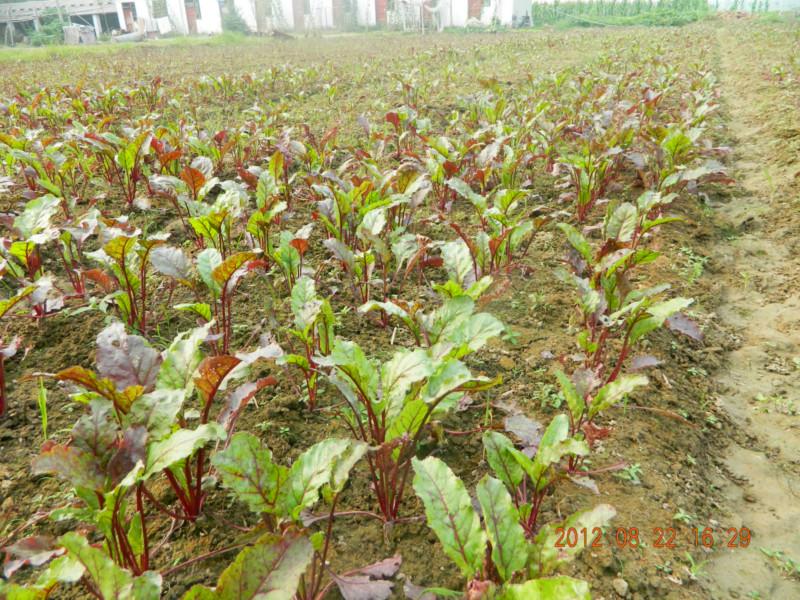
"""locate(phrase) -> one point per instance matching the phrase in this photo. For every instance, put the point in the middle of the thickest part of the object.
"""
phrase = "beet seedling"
(493, 553)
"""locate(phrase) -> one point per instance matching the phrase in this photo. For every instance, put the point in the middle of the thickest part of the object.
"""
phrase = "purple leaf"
(527, 430)
(126, 359)
(416, 592)
(130, 451)
(585, 382)
(361, 587)
(586, 482)
(383, 568)
(33, 551)
(644, 361)
(680, 323)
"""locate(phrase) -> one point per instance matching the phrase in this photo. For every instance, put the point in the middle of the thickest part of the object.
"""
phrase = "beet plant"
(528, 479)
(290, 559)
(314, 329)
(390, 405)
(493, 554)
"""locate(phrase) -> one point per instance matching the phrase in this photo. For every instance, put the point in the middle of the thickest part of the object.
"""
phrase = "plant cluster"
(414, 229)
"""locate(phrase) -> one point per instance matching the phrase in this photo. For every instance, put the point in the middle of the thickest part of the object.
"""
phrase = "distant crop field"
(482, 315)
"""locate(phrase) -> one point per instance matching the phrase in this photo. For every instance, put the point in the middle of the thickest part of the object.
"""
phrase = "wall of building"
(211, 21)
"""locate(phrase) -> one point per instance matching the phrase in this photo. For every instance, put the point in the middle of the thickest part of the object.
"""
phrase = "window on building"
(159, 8)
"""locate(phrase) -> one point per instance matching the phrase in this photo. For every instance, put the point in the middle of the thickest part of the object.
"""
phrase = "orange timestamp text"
(657, 537)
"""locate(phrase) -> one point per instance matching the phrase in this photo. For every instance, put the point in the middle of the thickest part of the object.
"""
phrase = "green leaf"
(549, 588)
(613, 392)
(547, 557)
(208, 260)
(112, 582)
(359, 371)
(408, 422)
(313, 469)
(181, 444)
(247, 468)
(37, 215)
(398, 374)
(621, 224)
(201, 309)
(577, 241)
(575, 401)
(554, 445)
(501, 518)
(305, 304)
(658, 314)
(450, 514)
(7, 305)
(500, 460)
(269, 570)
(181, 360)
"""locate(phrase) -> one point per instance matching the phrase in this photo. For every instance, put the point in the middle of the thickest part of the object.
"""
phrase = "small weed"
(695, 569)
(631, 473)
(776, 403)
(789, 566)
(683, 517)
(694, 265)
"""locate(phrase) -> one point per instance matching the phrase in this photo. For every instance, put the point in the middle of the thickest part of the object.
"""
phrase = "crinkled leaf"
(269, 570)
(246, 467)
(181, 444)
(127, 360)
(313, 469)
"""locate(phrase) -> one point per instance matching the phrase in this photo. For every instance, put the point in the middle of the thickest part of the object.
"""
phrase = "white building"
(164, 16)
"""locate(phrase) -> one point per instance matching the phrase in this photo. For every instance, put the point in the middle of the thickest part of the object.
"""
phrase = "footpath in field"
(760, 304)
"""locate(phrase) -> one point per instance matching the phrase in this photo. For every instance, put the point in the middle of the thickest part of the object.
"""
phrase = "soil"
(705, 455)
(760, 474)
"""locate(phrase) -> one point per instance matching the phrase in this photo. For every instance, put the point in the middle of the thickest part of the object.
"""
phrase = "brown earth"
(704, 454)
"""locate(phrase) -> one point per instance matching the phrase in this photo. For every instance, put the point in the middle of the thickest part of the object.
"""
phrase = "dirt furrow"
(761, 306)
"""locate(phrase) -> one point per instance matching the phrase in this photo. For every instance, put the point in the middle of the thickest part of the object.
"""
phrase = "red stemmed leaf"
(394, 119)
(105, 387)
(239, 398)
(193, 178)
(132, 449)
(594, 433)
(211, 372)
(225, 271)
(300, 245)
(101, 278)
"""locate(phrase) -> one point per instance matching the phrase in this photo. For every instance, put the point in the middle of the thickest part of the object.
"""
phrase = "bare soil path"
(760, 304)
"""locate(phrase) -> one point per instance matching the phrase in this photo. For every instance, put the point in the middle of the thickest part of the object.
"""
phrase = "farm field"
(382, 316)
